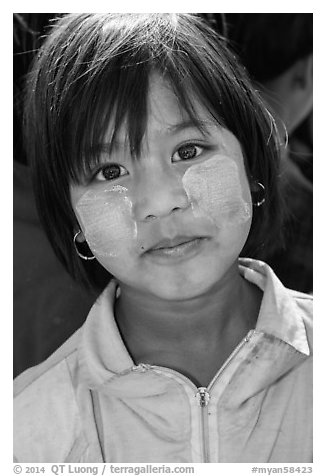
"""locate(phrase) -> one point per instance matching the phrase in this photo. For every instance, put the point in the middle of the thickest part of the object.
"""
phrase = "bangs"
(100, 81)
(108, 92)
(125, 109)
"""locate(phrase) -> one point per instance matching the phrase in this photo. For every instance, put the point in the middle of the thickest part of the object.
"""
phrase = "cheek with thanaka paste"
(215, 191)
(106, 218)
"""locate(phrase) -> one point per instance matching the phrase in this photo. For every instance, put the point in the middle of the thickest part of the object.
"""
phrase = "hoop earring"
(86, 258)
(261, 192)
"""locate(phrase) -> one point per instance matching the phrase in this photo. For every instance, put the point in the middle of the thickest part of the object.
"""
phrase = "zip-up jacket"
(89, 402)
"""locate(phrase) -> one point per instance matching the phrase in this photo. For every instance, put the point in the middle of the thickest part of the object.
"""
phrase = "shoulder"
(301, 298)
(33, 375)
(305, 304)
(304, 301)
(46, 416)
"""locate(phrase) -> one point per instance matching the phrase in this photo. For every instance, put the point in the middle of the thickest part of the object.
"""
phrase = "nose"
(158, 194)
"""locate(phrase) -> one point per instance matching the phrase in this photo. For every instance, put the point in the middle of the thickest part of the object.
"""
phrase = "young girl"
(154, 158)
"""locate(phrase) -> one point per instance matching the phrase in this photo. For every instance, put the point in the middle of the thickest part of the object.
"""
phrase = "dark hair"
(95, 67)
(28, 31)
(270, 43)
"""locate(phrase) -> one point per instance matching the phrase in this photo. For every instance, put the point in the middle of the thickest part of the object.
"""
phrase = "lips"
(169, 243)
(171, 252)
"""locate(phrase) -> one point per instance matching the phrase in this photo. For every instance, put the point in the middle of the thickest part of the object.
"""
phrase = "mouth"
(177, 248)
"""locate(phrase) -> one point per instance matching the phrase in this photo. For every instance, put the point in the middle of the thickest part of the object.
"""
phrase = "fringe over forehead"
(97, 69)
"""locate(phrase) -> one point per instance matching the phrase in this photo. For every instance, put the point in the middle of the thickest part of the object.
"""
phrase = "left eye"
(187, 152)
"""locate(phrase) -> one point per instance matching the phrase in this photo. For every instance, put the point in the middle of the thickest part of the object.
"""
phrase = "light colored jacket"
(89, 403)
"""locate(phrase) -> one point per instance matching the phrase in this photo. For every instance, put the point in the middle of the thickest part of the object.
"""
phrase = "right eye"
(110, 172)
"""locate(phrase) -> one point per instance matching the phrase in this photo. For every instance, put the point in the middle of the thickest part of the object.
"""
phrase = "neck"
(152, 327)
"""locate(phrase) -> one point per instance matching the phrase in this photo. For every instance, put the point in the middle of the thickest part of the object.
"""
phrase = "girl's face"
(173, 222)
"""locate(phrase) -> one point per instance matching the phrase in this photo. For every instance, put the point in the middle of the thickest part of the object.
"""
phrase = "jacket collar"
(103, 356)
(279, 315)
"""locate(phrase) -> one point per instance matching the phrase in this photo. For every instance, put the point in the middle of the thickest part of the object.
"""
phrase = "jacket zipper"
(203, 397)
(231, 356)
(202, 393)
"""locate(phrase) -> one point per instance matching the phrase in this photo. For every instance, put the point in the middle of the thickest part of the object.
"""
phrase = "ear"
(257, 191)
(80, 237)
(254, 185)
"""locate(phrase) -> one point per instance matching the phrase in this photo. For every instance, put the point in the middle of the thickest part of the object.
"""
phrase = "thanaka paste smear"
(106, 215)
(214, 190)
